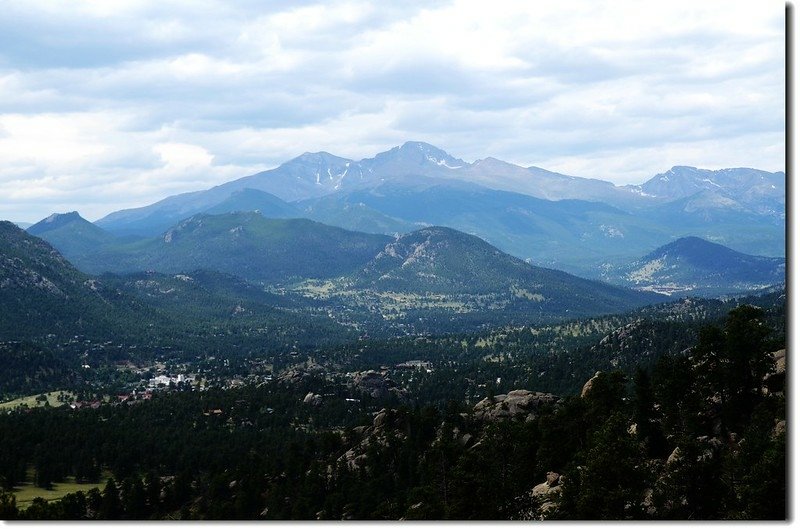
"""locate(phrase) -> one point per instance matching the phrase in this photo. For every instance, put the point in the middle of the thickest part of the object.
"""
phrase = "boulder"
(547, 494)
(588, 386)
(780, 361)
(647, 502)
(380, 419)
(465, 440)
(674, 457)
(542, 489)
(383, 426)
(313, 399)
(780, 428)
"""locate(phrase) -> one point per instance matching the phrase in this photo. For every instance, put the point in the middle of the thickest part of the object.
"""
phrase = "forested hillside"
(698, 433)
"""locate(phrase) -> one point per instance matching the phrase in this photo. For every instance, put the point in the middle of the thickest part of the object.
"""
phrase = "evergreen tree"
(8, 506)
(110, 508)
(612, 482)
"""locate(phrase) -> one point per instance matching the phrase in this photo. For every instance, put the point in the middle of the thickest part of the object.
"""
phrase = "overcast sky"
(112, 104)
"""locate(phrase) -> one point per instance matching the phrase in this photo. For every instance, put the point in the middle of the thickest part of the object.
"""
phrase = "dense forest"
(695, 429)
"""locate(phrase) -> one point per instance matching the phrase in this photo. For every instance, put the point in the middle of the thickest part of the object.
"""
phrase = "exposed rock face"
(589, 383)
(547, 494)
(313, 399)
(774, 382)
(519, 403)
(465, 440)
(378, 386)
(709, 448)
(292, 376)
(379, 432)
(674, 457)
(780, 428)
(780, 361)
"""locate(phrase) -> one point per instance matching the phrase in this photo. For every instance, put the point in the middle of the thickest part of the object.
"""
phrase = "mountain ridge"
(742, 208)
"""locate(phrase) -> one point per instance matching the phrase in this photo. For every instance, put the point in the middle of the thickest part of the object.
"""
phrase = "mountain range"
(245, 244)
(547, 218)
(583, 226)
(205, 263)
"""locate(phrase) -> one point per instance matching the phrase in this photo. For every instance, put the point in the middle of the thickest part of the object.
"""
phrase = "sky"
(111, 104)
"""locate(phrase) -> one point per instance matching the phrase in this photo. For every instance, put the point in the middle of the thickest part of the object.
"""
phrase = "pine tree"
(110, 508)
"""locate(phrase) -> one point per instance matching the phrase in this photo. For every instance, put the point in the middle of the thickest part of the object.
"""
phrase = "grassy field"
(31, 402)
(27, 492)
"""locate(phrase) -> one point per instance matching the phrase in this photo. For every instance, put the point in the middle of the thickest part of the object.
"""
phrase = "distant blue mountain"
(71, 234)
(691, 265)
(549, 218)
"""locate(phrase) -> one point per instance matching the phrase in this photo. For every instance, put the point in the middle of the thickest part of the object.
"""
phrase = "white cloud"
(183, 156)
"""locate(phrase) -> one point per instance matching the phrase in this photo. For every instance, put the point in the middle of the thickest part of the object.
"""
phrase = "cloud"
(104, 107)
(183, 156)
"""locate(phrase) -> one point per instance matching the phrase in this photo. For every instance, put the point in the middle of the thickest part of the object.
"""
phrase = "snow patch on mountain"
(442, 163)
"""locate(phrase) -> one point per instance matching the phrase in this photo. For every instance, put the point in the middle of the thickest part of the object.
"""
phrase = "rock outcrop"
(780, 428)
(547, 494)
(379, 432)
(378, 386)
(292, 376)
(589, 383)
(313, 399)
(519, 403)
(780, 361)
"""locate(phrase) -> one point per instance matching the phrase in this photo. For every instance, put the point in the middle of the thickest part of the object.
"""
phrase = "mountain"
(202, 293)
(541, 183)
(346, 211)
(310, 175)
(244, 244)
(71, 234)
(567, 234)
(315, 175)
(413, 158)
(441, 260)
(742, 208)
(746, 189)
(42, 293)
(248, 199)
(692, 265)
(42, 296)
(159, 217)
(715, 216)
